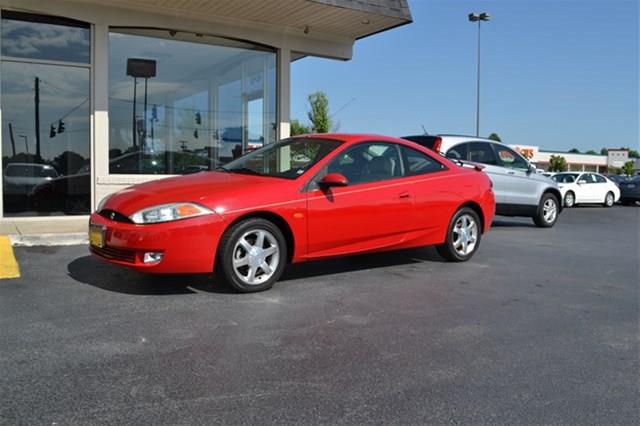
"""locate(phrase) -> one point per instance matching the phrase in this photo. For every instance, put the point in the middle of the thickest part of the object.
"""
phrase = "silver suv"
(519, 190)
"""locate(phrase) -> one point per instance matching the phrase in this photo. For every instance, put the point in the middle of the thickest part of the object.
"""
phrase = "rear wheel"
(569, 199)
(463, 236)
(609, 199)
(547, 212)
(252, 255)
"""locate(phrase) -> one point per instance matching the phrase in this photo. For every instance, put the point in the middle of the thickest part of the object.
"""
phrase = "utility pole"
(13, 142)
(37, 111)
(478, 17)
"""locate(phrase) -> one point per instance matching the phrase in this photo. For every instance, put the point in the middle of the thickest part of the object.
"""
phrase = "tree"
(297, 128)
(574, 151)
(557, 163)
(628, 168)
(591, 152)
(494, 137)
(319, 114)
(604, 151)
(633, 153)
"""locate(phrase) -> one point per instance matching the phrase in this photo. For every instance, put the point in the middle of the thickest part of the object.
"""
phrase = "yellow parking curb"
(8, 263)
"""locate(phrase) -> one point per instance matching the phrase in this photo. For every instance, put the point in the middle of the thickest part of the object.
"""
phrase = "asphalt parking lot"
(541, 326)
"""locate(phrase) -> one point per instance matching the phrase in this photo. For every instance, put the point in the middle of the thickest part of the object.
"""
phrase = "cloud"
(28, 39)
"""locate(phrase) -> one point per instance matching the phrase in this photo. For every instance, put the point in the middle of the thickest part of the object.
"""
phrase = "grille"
(123, 255)
(114, 215)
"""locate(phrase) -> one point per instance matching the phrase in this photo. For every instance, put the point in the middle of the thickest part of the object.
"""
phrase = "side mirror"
(531, 169)
(581, 181)
(333, 179)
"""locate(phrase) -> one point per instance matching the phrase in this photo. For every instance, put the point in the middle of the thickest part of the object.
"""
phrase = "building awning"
(344, 19)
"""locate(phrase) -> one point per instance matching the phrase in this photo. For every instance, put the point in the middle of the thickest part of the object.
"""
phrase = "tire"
(609, 199)
(457, 248)
(248, 272)
(569, 199)
(547, 211)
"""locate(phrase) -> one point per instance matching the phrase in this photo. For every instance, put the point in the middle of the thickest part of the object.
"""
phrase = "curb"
(70, 239)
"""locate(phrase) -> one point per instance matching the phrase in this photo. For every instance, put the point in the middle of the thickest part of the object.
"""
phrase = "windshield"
(565, 177)
(287, 159)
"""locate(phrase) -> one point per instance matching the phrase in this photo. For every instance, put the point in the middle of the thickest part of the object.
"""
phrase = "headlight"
(168, 212)
(102, 202)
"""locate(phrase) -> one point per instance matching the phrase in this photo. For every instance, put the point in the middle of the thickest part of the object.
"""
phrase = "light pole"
(478, 17)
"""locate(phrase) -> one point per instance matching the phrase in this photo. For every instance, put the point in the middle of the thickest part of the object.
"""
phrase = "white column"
(283, 90)
(100, 152)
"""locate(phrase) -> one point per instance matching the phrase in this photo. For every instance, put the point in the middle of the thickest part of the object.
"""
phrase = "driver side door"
(373, 211)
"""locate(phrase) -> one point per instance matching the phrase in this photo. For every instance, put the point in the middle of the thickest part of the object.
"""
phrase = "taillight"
(437, 144)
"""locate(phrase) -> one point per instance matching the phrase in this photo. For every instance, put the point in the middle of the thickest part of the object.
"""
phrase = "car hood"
(215, 190)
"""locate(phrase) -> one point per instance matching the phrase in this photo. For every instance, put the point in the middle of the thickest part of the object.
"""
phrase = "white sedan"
(586, 187)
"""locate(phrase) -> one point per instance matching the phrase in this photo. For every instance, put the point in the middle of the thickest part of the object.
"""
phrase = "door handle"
(511, 173)
(404, 195)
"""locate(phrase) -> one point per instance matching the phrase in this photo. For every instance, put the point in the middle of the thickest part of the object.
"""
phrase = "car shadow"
(359, 262)
(91, 271)
(510, 223)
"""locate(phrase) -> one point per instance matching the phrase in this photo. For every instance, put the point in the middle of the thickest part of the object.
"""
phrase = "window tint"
(368, 162)
(458, 152)
(599, 179)
(509, 158)
(482, 152)
(417, 163)
(565, 177)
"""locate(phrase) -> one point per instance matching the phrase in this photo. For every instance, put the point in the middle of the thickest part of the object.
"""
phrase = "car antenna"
(424, 129)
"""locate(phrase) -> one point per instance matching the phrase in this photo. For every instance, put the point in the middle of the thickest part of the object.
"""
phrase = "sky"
(558, 74)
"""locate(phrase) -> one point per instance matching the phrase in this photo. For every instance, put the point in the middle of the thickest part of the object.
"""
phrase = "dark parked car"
(630, 191)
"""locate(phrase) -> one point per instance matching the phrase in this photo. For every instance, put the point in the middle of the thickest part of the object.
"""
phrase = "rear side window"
(599, 179)
(418, 163)
(509, 158)
(458, 152)
(482, 152)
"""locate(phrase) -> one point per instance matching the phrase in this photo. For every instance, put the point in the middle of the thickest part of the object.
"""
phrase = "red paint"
(402, 212)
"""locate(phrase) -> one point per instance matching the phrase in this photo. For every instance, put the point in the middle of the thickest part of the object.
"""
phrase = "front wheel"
(463, 236)
(609, 199)
(547, 212)
(569, 199)
(252, 255)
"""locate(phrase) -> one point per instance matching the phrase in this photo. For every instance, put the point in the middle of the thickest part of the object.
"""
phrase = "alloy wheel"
(256, 256)
(609, 199)
(549, 210)
(569, 199)
(465, 235)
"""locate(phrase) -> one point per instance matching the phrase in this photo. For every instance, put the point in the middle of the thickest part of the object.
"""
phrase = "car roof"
(353, 137)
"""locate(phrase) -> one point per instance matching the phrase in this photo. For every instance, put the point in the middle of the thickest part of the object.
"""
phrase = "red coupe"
(303, 198)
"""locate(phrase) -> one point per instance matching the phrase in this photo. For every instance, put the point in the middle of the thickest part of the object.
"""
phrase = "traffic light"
(60, 126)
(52, 132)
(198, 118)
(195, 133)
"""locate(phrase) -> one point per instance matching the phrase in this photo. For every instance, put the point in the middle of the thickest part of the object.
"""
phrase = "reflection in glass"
(45, 171)
(42, 37)
(207, 103)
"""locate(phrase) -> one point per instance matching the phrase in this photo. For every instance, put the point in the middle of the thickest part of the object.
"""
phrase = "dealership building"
(97, 95)
(615, 158)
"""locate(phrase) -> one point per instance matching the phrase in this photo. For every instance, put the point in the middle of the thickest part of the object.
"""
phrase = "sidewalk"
(45, 231)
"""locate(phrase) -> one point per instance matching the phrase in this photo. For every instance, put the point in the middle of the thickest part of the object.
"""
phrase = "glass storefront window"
(46, 128)
(179, 105)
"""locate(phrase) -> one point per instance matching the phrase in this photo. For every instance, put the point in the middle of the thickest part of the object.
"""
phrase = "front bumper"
(188, 245)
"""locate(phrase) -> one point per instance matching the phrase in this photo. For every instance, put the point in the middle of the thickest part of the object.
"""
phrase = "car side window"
(599, 179)
(482, 152)
(418, 163)
(368, 162)
(509, 158)
(458, 152)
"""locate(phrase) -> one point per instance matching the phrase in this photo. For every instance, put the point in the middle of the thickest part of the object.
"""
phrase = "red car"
(303, 198)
